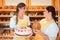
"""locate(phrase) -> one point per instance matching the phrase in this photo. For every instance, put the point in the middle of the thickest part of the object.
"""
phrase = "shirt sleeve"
(12, 22)
(52, 31)
(28, 21)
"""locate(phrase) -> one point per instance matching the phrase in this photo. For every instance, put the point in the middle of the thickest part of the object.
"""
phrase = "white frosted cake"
(23, 31)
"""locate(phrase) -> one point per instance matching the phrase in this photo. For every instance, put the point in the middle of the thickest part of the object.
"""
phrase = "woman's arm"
(52, 31)
(44, 36)
(12, 24)
(28, 21)
(11, 30)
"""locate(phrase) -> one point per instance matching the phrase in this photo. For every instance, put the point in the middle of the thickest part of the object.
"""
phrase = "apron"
(22, 23)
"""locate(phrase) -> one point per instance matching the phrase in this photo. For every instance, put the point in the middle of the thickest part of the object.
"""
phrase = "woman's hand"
(11, 30)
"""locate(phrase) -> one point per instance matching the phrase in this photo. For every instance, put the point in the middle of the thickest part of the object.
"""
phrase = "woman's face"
(22, 10)
(46, 13)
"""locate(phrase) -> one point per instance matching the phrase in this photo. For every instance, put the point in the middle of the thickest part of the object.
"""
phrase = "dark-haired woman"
(20, 20)
(48, 25)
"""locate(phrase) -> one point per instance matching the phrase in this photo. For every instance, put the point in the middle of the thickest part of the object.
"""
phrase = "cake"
(23, 31)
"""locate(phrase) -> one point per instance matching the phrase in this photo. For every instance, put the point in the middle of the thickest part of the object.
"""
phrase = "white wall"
(13, 2)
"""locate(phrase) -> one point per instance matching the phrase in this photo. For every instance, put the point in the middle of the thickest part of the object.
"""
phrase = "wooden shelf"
(4, 22)
(5, 28)
(36, 16)
(7, 36)
(35, 10)
(29, 16)
(7, 9)
(27, 10)
(5, 16)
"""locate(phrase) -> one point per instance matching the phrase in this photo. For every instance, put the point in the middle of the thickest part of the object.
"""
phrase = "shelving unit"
(4, 22)
(34, 12)
(5, 15)
(6, 38)
(31, 11)
(7, 9)
(5, 34)
(36, 16)
(30, 8)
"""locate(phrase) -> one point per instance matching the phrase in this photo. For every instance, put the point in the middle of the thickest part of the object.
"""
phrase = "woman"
(48, 25)
(19, 20)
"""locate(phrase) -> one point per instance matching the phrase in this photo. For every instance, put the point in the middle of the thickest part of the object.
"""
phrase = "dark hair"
(20, 5)
(52, 10)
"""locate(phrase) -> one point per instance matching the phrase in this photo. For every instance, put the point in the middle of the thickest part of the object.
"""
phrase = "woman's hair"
(52, 10)
(20, 5)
